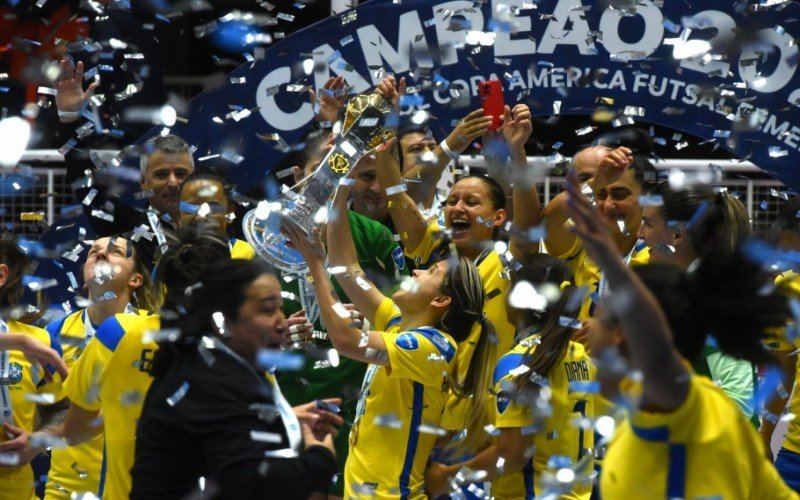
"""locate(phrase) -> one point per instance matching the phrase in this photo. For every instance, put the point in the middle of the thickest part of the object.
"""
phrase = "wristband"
(449, 152)
(68, 114)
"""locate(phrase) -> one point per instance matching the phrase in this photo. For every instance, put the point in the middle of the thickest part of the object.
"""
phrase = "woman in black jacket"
(214, 417)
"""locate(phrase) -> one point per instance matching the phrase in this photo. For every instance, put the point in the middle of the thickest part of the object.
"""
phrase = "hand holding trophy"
(364, 128)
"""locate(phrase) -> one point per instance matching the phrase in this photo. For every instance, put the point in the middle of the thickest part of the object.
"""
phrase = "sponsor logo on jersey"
(407, 342)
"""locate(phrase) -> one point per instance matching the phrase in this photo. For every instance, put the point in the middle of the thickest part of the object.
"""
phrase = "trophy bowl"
(364, 128)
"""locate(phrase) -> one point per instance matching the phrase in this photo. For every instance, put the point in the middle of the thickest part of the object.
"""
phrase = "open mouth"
(374, 198)
(460, 226)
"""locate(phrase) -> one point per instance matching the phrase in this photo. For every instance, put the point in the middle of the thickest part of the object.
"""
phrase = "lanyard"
(155, 224)
(7, 415)
(288, 417)
(602, 288)
(308, 299)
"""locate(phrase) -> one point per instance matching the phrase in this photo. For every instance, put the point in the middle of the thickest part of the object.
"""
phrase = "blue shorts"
(788, 465)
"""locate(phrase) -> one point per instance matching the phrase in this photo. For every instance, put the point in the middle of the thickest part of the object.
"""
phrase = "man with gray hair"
(165, 163)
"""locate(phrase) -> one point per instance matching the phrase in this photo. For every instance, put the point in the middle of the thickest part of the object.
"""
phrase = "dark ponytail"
(726, 300)
(717, 222)
(11, 292)
(17, 261)
(191, 250)
(545, 270)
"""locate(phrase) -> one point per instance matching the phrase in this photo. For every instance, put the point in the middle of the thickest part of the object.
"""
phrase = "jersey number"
(146, 361)
(580, 407)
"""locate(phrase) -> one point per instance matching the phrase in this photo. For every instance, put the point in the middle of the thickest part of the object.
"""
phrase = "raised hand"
(613, 165)
(392, 89)
(517, 126)
(329, 105)
(70, 96)
(472, 126)
(311, 249)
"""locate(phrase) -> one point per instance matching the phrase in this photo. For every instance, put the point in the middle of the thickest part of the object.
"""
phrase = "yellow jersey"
(241, 249)
(112, 375)
(705, 448)
(587, 273)
(569, 381)
(25, 380)
(496, 286)
(789, 283)
(74, 468)
(390, 442)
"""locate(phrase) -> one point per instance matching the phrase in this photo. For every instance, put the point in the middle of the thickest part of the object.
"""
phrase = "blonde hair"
(464, 287)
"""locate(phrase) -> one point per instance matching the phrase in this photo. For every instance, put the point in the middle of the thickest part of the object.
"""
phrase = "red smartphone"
(491, 92)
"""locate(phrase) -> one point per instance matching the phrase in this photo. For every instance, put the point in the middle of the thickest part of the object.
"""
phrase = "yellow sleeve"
(430, 241)
(387, 315)
(421, 355)
(56, 387)
(43, 386)
(82, 384)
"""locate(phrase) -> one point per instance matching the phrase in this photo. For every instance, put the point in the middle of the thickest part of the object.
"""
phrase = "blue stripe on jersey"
(413, 439)
(56, 346)
(110, 333)
(393, 321)
(54, 328)
(676, 469)
(54, 332)
(442, 344)
(527, 478)
(676, 479)
(652, 433)
(103, 471)
(506, 364)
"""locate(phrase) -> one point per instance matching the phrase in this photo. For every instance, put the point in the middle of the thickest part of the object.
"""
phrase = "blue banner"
(723, 71)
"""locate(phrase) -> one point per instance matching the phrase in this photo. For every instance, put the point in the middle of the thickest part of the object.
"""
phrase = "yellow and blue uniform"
(789, 282)
(788, 459)
(588, 274)
(388, 452)
(74, 468)
(382, 259)
(705, 448)
(25, 379)
(112, 376)
(568, 380)
(495, 286)
(241, 249)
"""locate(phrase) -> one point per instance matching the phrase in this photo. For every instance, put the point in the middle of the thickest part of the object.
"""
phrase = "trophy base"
(264, 235)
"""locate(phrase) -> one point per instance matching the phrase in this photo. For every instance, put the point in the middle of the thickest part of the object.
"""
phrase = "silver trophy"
(364, 129)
